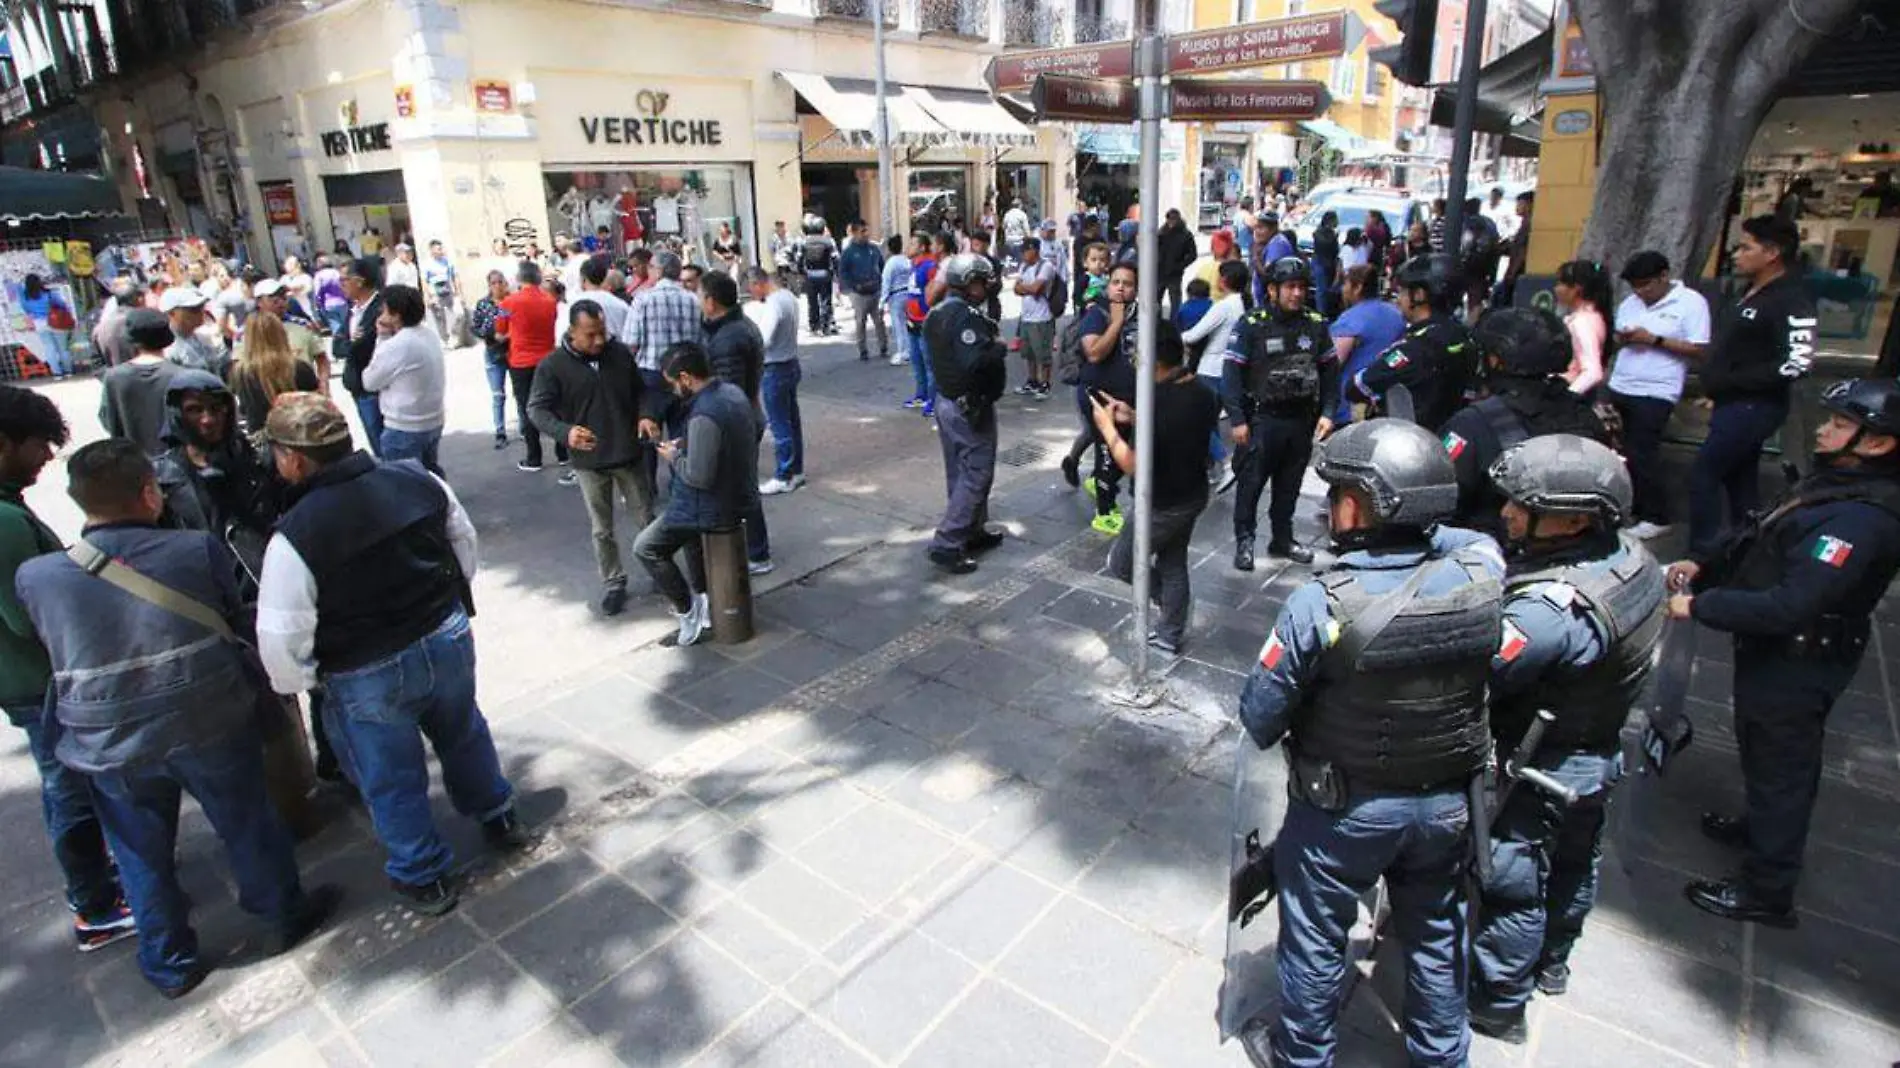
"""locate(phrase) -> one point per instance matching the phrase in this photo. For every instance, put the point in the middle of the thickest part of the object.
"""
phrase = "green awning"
(33, 194)
(1332, 133)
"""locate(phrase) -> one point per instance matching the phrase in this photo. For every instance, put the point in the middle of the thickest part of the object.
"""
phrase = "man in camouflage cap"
(366, 585)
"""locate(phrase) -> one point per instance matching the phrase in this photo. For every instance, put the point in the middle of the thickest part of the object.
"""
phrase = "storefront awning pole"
(886, 177)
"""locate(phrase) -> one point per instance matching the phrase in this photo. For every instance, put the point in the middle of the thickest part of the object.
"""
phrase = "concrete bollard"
(728, 584)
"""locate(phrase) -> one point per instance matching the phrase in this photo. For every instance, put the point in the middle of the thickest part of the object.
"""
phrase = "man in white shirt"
(1662, 326)
(402, 271)
(775, 313)
(1015, 231)
(613, 310)
(1502, 213)
(1037, 326)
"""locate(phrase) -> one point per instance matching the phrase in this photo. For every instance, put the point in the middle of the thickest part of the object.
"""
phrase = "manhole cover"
(1022, 454)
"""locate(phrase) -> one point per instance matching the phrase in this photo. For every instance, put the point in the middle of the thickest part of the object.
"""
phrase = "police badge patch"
(1306, 343)
(969, 336)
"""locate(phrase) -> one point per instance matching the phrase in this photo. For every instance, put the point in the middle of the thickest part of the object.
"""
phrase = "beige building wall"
(309, 100)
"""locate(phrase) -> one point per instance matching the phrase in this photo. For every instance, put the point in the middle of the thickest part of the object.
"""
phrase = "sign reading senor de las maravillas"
(650, 126)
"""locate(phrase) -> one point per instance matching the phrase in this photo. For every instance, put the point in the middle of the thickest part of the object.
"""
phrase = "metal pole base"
(1137, 695)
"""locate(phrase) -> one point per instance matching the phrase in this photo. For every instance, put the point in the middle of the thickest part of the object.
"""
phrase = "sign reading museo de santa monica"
(1263, 44)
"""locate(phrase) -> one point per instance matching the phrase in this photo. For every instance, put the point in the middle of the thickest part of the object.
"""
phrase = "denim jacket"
(133, 682)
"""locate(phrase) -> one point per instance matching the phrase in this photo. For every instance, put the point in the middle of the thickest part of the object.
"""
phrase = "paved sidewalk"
(904, 827)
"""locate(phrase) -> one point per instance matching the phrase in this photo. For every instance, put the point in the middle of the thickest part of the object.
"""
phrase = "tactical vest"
(1624, 598)
(1283, 368)
(1755, 556)
(818, 252)
(1407, 712)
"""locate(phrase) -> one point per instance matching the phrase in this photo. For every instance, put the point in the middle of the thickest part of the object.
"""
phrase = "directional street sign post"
(1233, 100)
(1123, 81)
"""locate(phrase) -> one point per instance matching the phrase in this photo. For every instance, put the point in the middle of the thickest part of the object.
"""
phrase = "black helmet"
(967, 267)
(1564, 473)
(1290, 269)
(814, 225)
(1436, 273)
(1398, 464)
(1874, 403)
(1528, 342)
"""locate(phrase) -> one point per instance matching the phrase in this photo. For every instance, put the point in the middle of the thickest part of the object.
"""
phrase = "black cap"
(1644, 266)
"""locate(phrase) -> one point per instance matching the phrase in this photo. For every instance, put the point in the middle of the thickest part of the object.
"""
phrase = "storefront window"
(1023, 182)
(939, 195)
(612, 210)
(1223, 175)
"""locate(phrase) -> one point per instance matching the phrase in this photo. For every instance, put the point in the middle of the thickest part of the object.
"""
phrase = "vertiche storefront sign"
(650, 125)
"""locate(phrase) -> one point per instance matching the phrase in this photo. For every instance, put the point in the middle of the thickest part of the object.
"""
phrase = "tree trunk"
(1684, 85)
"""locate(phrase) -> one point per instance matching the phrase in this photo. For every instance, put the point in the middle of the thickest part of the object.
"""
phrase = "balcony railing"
(1031, 24)
(1092, 30)
(967, 18)
(855, 9)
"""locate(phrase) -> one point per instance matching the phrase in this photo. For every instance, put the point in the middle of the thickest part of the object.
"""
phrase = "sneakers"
(523, 465)
(190, 983)
(568, 478)
(501, 442)
(506, 833)
(775, 486)
(1072, 471)
(1027, 389)
(1163, 645)
(693, 621)
(1110, 524)
(613, 601)
(953, 562)
(899, 360)
(429, 899)
(915, 402)
(115, 925)
(1553, 978)
(1646, 530)
(758, 567)
(1088, 486)
(929, 409)
(1042, 392)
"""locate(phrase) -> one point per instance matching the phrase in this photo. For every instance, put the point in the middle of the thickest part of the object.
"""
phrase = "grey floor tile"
(560, 1043)
(1567, 1040)
(795, 818)
(671, 1004)
(805, 906)
(733, 693)
(1168, 887)
(588, 937)
(982, 913)
(1786, 1028)
(1191, 810)
(803, 658)
(872, 754)
(1017, 743)
(477, 1007)
(778, 1034)
(1672, 1001)
(996, 1025)
(1833, 964)
(997, 675)
(499, 910)
(1091, 966)
(889, 1000)
(355, 993)
(624, 716)
(936, 712)
(774, 957)
(874, 852)
(1049, 836)
(1179, 1027)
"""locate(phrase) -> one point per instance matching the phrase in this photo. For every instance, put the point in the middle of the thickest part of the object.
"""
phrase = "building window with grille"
(1345, 78)
(1375, 80)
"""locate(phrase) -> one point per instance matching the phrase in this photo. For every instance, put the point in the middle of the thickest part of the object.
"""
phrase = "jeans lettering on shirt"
(1800, 347)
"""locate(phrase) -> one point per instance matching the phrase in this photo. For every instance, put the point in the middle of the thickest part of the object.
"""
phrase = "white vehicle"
(1354, 206)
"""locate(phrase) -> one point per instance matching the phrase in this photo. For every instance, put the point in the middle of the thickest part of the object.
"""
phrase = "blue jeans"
(72, 822)
(377, 716)
(1544, 861)
(1725, 481)
(778, 389)
(1323, 278)
(139, 808)
(498, 395)
(1216, 448)
(337, 318)
(1324, 862)
(920, 366)
(413, 445)
(369, 408)
(53, 348)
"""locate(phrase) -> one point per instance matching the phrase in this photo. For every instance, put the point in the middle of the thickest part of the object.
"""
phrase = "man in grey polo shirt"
(1662, 326)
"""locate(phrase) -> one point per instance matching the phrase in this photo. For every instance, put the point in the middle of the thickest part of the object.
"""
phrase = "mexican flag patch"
(1271, 652)
(1833, 551)
(1396, 360)
(1454, 444)
(1514, 642)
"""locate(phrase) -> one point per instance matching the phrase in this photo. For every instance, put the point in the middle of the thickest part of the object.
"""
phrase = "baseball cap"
(1049, 226)
(1644, 266)
(181, 297)
(269, 287)
(305, 421)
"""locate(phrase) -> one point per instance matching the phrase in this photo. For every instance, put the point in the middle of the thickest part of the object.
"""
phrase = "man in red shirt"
(527, 322)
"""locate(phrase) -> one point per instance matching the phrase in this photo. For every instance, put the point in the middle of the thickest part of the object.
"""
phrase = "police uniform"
(1578, 642)
(1518, 410)
(1376, 794)
(1279, 365)
(1797, 595)
(1435, 360)
(819, 257)
(968, 362)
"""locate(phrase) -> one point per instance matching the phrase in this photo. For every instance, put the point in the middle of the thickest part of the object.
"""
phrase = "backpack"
(1058, 291)
(1068, 358)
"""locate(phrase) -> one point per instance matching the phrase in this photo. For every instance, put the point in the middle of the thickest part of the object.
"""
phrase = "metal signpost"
(1146, 81)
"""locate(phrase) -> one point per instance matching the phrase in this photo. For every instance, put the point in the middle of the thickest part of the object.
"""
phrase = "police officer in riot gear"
(968, 361)
(1279, 365)
(1435, 360)
(818, 256)
(1524, 353)
(1797, 591)
(1582, 619)
(1374, 675)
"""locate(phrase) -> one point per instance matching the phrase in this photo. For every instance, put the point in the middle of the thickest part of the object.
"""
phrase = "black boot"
(1553, 978)
(1290, 550)
(1501, 1024)
(1243, 554)
(1729, 899)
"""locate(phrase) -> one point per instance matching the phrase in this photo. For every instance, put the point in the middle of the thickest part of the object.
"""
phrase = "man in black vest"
(1374, 675)
(715, 483)
(1525, 351)
(1798, 592)
(366, 589)
(819, 257)
(1279, 364)
(1582, 616)
(968, 363)
(1435, 360)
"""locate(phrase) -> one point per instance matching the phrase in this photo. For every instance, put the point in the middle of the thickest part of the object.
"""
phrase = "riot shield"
(1657, 729)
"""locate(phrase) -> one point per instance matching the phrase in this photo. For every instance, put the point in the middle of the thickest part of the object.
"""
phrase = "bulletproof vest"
(1623, 596)
(1404, 708)
(1449, 359)
(1756, 556)
(818, 253)
(964, 352)
(1283, 368)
